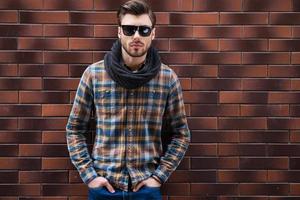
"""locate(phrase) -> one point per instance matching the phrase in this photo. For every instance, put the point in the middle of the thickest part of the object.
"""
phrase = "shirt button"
(131, 93)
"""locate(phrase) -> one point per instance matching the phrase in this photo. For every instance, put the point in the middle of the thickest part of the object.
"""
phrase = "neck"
(134, 63)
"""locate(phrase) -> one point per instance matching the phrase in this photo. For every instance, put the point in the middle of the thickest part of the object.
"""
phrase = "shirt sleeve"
(77, 128)
(176, 118)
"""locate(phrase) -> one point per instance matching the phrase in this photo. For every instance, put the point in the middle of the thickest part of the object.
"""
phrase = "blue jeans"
(145, 193)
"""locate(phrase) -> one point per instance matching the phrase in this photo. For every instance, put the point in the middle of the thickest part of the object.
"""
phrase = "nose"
(136, 34)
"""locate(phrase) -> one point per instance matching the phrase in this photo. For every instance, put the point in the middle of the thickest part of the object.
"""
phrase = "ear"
(153, 34)
(119, 32)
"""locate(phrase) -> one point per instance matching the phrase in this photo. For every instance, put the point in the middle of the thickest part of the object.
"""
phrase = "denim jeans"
(145, 193)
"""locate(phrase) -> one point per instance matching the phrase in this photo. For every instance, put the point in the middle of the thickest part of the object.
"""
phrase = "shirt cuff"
(88, 175)
(162, 174)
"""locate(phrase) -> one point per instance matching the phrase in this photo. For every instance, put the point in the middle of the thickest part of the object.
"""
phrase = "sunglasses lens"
(129, 30)
(144, 31)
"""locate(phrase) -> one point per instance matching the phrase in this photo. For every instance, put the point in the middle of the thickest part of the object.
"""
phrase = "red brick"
(217, 32)
(9, 16)
(176, 58)
(264, 136)
(56, 70)
(14, 84)
(196, 71)
(68, 4)
(284, 71)
(216, 84)
(241, 150)
(106, 31)
(264, 110)
(8, 124)
(9, 70)
(43, 97)
(243, 45)
(284, 123)
(239, 71)
(267, 32)
(68, 57)
(56, 110)
(164, 32)
(43, 177)
(215, 163)
(194, 18)
(295, 136)
(20, 163)
(21, 30)
(20, 110)
(24, 137)
(217, 5)
(284, 45)
(202, 123)
(213, 136)
(68, 30)
(202, 150)
(242, 176)
(295, 85)
(264, 163)
(266, 58)
(267, 5)
(57, 163)
(264, 189)
(21, 4)
(200, 97)
(243, 97)
(214, 110)
(285, 18)
(244, 18)
(45, 124)
(284, 97)
(295, 58)
(192, 176)
(216, 58)
(60, 84)
(54, 137)
(90, 44)
(93, 18)
(20, 190)
(64, 190)
(241, 123)
(46, 17)
(21, 57)
(294, 189)
(266, 84)
(192, 45)
(43, 44)
(213, 189)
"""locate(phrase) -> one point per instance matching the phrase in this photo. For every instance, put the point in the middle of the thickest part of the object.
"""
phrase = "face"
(136, 45)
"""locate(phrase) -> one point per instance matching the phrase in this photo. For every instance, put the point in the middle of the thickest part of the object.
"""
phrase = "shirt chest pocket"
(108, 103)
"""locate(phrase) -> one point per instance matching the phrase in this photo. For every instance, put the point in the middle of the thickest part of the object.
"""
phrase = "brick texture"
(239, 65)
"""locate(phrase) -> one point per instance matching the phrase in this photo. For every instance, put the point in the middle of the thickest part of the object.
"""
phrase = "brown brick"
(46, 17)
(20, 110)
(176, 189)
(56, 110)
(267, 32)
(167, 32)
(20, 163)
(68, 4)
(45, 124)
(8, 43)
(43, 150)
(64, 190)
(192, 45)
(214, 110)
(284, 71)
(216, 84)
(43, 44)
(294, 163)
(8, 150)
(284, 45)
(267, 5)
(10, 137)
(241, 150)
(194, 18)
(68, 30)
(43, 97)
(54, 137)
(8, 16)
(264, 163)
(214, 189)
(56, 70)
(294, 136)
(213, 136)
(264, 110)
(242, 176)
(295, 58)
(57, 163)
(243, 45)
(20, 190)
(244, 18)
(242, 123)
(202, 123)
(21, 57)
(239, 71)
(285, 18)
(8, 124)
(283, 97)
(93, 18)
(264, 189)
(9, 70)
(21, 30)
(264, 136)
(217, 32)
(243, 97)
(217, 5)
(15, 84)
(176, 58)
(266, 84)
(202, 150)
(68, 57)
(266, 58)
(295, 85)
(200, 97)
(283, 150)
(294, 189)
(193, 176)
(215, 163)
(21, 4)
(60, 84)
(196, 71)
(43, 177)
(9, 177)
(283, 176)
(90, 44)
(216, 58)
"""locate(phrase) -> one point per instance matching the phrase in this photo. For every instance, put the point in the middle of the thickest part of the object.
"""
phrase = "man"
(136, 99)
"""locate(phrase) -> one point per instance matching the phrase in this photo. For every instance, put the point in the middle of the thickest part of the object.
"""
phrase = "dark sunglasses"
(129, 30)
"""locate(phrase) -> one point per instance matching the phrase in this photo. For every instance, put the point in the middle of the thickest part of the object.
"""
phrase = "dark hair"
(136, 7)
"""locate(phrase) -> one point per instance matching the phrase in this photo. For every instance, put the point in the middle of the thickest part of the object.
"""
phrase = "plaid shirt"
(129, 125)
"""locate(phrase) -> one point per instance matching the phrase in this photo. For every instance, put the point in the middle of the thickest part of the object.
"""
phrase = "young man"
(136, 99)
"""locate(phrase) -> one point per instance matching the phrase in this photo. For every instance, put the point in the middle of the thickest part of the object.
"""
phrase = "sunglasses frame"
(137, 28)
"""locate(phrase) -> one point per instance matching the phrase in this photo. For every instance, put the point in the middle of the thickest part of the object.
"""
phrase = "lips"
(136, 44)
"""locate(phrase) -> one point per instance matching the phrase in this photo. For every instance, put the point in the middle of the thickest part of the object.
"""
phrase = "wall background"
(238, 62)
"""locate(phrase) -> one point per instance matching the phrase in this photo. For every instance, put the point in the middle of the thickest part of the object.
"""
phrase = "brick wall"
(238, 62)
